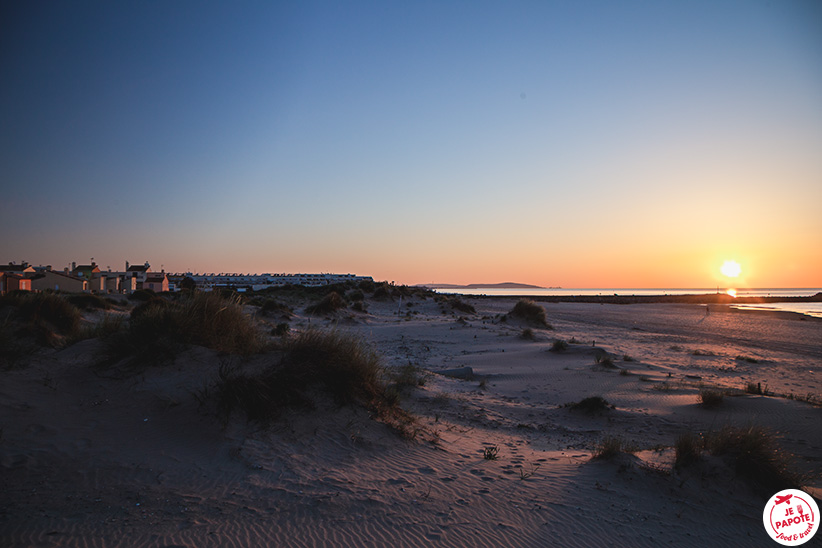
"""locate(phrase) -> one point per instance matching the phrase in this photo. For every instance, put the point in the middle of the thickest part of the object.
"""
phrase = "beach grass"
(328, 304)
(687, 449)
(611, 446)
(709, 397)
(592, 405)
(530, 312)
(336, 363)
(755, 455)
(159, 328)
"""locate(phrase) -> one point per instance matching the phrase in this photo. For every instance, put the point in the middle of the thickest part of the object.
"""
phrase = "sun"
(731, 269)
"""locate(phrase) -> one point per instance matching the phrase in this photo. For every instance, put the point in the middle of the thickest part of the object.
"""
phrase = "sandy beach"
(496, 456)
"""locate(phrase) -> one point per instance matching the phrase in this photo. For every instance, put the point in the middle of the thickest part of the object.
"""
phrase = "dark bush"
(142, 295)
(688, 449)
(270, 306)
(329, 304)
(158, 328)
(756, 456)
(341, 365)
(382, 292)
(462, 306)
(530, 312)
(711, 398)
(367, 286)
(592, 405)
(88, 301)
(49, 311)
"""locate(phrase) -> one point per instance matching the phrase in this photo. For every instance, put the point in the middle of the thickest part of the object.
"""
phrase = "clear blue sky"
(557, 143)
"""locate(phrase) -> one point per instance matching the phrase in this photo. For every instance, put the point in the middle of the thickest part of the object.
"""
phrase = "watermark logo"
(791, 517)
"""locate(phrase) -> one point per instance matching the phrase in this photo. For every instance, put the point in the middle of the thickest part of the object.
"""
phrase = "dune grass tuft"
(688, 449)
(755, 455)
(52, 319)
(88, 301)
(710, 397)
(754, 388)
(611, 446)
(328, 304)
(338, 364)
(158, 328)
(592, 405)
(530, 312)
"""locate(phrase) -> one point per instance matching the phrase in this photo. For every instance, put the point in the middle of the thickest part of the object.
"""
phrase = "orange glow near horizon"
(732, 293)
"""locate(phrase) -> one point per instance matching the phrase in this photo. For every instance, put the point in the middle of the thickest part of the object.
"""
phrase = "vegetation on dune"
(50, 318)
(382, 292)
(158, 328)
(603, 359)
(454, 303)
(710, 397)
(491, 453)
(271, 307)
(142, 295)
(592, 405)
(462, 306)
(754, 388)
(530, 312)
(688, 449)
(88, 301)
(753, 453)
(611, 446)
(328, 304)
(338, 364)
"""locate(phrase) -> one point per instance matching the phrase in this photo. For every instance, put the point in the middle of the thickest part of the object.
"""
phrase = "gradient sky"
(574, 144)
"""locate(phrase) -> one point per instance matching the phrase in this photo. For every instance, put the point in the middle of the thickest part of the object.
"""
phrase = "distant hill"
(504, 285)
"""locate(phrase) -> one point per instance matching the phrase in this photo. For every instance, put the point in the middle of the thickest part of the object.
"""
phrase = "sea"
(808, 309)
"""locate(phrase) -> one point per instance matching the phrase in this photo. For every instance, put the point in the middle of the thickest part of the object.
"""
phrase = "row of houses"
(256, 282)
(80, 278)
(90, 278)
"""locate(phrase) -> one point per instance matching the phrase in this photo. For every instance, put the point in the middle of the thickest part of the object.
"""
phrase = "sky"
(574, 144)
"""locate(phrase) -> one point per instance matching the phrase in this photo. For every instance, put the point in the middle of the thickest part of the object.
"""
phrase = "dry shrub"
(217, 322)
(88, 301)
(339, 364)
(592, 405)
(382, 292)
(611, 446)
(530, 312)
(271, 306)
(158, 328)
(711, 398)
(688, 449)
(604, 360)
(462, 306)
(49, 317)
(753, 388)
(755, 455)
(329, 304)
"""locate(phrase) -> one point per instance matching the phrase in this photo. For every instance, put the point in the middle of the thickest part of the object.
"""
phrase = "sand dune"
(115, 458)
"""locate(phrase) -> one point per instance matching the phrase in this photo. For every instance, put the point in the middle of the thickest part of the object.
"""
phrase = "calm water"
(811, 309)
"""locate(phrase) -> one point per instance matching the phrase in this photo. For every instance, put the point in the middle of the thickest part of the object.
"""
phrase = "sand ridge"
(91, 459)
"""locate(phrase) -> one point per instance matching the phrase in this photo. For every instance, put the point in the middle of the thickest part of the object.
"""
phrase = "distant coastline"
(503, 285)
(802, 301)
